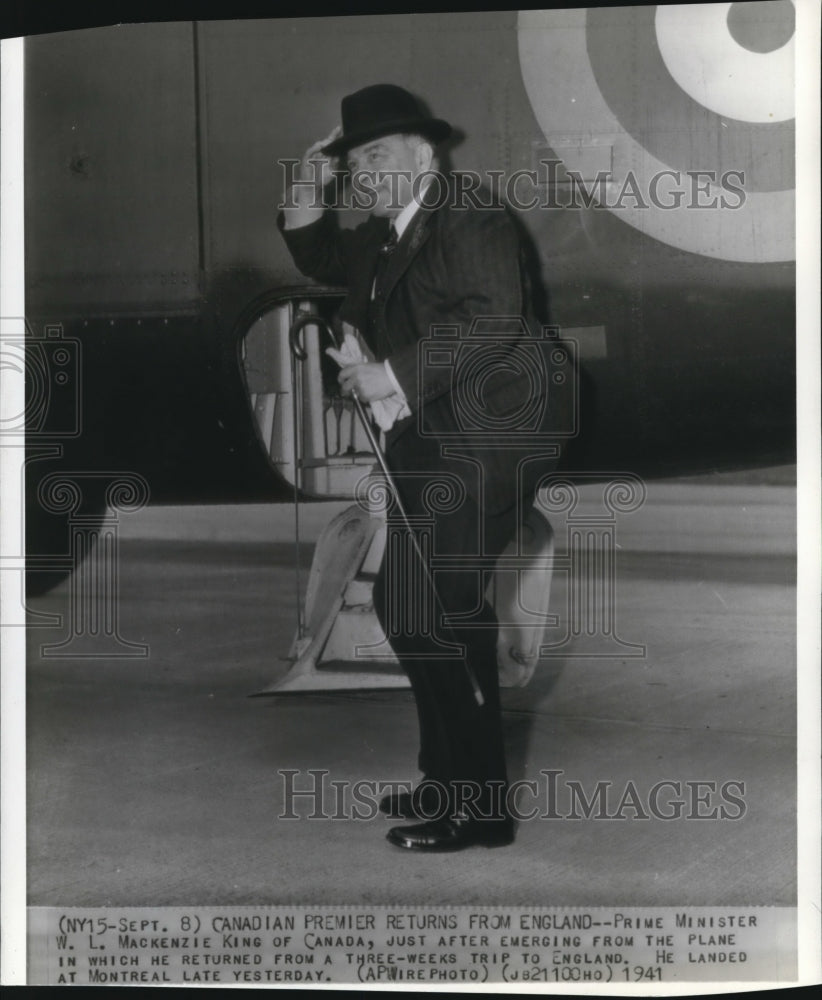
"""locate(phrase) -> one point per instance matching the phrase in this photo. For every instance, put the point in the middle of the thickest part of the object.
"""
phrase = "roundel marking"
(764, 26)
(705, 58)
(672, 123)
(575, 106)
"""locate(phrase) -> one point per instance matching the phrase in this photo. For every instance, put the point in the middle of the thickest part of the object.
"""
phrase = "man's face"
(388, 166)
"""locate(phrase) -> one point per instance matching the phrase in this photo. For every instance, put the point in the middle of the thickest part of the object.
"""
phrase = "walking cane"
(308, 319)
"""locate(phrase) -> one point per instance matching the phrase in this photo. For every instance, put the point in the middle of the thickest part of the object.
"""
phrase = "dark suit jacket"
(450, 322)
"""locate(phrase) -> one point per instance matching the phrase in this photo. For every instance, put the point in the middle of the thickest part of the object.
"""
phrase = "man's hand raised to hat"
(304, 203)
(316, 166)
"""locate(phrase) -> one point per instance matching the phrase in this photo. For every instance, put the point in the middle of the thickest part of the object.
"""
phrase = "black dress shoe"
(427, 801)
(453, 834)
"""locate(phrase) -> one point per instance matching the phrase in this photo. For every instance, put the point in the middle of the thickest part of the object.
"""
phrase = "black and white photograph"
(410, 499)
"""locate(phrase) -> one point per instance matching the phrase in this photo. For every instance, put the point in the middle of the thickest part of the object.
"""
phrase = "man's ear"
(424, 155)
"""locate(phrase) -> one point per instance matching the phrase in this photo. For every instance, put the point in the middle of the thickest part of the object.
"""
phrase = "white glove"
(384, 411)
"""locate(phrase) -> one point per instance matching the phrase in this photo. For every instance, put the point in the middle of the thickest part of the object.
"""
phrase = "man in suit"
(437, 288)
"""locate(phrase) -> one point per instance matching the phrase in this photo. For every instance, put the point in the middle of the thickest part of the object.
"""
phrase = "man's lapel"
(418, 231)
(355, 307)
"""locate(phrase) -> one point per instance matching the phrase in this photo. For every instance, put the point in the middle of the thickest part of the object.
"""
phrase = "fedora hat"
(383, 109)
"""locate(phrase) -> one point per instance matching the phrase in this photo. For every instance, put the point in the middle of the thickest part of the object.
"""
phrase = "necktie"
(384, 258)
(375, 334)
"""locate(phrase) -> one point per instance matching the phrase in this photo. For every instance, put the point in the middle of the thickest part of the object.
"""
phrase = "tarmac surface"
(156, 780)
